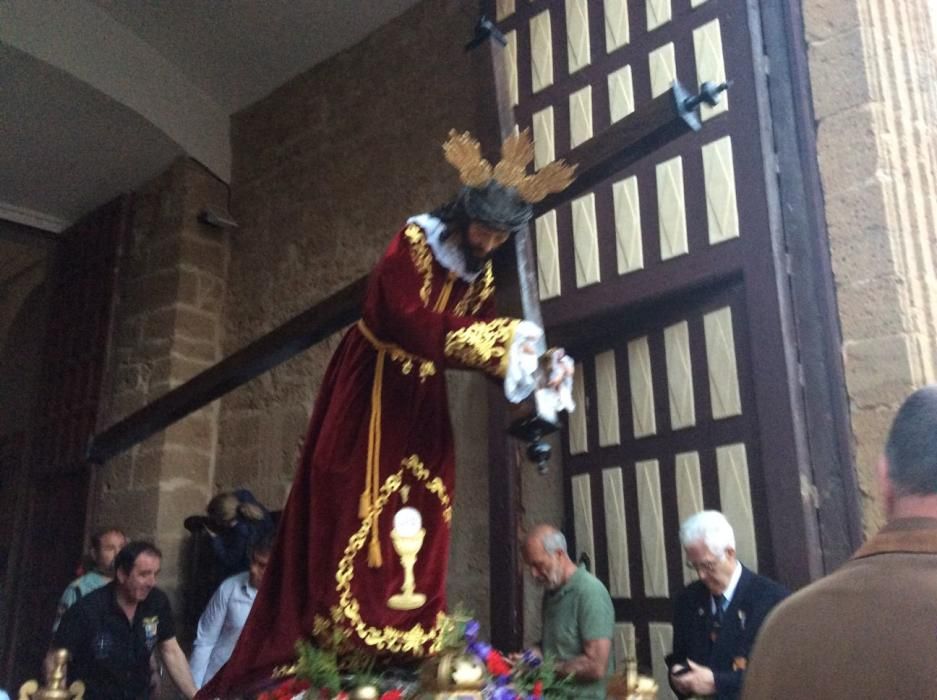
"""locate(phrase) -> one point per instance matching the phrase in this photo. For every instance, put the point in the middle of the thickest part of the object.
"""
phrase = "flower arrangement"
(467, 662)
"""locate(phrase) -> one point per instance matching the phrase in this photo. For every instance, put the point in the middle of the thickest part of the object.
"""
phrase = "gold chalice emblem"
(407, 536)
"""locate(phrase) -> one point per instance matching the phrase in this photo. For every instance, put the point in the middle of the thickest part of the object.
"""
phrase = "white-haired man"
(717, 617)
(868, 630)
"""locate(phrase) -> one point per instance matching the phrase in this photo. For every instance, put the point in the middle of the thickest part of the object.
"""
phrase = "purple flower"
(504, 693)
(471, 631)
(480, 649)
(530, 658)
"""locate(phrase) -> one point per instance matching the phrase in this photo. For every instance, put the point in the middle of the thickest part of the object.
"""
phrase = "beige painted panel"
(585, 241)
(623, 644)
(629, 246)
(720, 358)
(642, 388)
(722, 214)
(620, 93)
(606, 389)
(689, 493)
(541, 51)
(580, 116)
(735, 495)
(548, 257)
(679, 376)
(663, 69)
(661, 638)
(582, 516)
(617, 28)
(658, 13)
(510, 60)
(544, 137)
(616, 533)
(578, 440)
(671, 208)
(710, 64)
(505, 9)
(651, 517)
(577, 34)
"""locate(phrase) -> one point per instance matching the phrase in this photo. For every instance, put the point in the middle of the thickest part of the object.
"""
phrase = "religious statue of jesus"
(363, 540)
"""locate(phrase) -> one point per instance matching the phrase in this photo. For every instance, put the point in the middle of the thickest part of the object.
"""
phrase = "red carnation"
(497, 666)
(392, 695)
(538, 690)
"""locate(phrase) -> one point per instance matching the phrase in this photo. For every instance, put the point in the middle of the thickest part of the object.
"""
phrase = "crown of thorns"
(464, 153)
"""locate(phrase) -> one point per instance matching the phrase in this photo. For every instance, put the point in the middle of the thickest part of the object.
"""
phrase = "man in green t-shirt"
(578, 618)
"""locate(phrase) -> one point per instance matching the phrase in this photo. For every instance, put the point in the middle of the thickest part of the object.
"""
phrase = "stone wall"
(167, 328)
(326, 169)
(873, 76)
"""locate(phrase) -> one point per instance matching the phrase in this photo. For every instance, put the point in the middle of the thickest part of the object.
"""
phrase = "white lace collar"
(447, 252)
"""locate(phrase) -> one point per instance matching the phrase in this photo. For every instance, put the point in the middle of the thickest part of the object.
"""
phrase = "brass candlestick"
(407, 537)
(55, 686)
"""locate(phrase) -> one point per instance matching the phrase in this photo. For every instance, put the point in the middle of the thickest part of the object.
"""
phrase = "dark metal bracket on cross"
(647, 129)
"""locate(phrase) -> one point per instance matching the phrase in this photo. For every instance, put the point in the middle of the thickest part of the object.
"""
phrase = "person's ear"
(885, 486)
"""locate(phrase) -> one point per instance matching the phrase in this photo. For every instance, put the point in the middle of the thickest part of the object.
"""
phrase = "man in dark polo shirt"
(112, 632)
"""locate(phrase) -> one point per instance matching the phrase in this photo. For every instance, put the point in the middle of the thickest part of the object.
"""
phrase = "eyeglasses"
(703, 567)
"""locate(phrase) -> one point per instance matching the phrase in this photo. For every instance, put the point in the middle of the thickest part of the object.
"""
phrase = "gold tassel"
(372, 477)
(374, 549)
(364, 502)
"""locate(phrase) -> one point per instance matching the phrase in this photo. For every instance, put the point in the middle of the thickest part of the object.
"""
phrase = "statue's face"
(479, 242)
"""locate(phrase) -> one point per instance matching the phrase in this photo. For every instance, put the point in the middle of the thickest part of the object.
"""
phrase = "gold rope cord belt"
(372, 481)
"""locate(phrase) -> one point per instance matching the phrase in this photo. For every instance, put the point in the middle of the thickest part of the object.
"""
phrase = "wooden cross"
(649, 127)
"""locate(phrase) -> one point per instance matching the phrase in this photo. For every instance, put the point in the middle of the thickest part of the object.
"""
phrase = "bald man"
(578, 618)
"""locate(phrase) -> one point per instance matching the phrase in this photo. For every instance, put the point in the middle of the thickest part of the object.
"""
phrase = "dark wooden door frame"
(819, 405)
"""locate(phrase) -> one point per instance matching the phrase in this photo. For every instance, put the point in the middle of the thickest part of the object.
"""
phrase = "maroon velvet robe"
(379, 439)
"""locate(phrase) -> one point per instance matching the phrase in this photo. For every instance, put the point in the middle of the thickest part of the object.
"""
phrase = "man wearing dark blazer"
(717, 617)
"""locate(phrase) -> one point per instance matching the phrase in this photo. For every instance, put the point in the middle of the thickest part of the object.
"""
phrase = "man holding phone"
(717, 617)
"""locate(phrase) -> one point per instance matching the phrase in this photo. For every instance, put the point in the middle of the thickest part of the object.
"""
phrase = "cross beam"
(650, 126)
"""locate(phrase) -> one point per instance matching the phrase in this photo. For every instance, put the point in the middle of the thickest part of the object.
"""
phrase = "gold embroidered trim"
(348, 610)
(480, 343)
(478, 293)
(422, 258)
(398, 354)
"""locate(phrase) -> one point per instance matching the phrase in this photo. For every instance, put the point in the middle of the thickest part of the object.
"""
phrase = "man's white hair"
(554, 542)
(712, 529)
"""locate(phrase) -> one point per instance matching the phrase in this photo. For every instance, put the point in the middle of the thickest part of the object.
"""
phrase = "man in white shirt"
(223, 618)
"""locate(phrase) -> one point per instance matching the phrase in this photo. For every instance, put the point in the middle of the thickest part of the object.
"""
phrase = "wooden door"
(50, 534)
(670, 283)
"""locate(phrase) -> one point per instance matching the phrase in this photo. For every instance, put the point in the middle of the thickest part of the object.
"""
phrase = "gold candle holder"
(54, 689)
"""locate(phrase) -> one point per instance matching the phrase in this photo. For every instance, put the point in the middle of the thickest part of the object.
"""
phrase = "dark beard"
(473, 263)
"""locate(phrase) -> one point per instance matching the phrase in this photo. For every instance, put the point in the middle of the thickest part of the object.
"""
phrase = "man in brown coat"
(869, 630)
